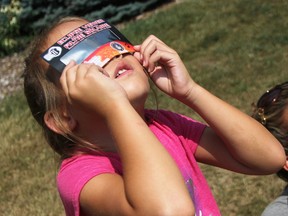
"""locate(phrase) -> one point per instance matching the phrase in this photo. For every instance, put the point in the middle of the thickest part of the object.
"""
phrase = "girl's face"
(125, 69)
(129, 73)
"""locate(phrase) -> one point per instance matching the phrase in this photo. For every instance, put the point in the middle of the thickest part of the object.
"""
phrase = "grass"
(27, 167)
(236, 49)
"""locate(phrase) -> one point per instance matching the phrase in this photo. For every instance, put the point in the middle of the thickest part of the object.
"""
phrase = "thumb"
(137, 55)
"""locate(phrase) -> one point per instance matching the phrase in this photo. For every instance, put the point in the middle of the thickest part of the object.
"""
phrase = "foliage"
(19, 21)
(9, 27)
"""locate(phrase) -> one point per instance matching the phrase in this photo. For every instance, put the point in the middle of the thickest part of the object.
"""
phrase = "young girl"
(272, 112)
(119, 158)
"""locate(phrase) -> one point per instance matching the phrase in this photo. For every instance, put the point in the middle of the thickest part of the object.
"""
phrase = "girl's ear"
(286, 164)
(67, 121)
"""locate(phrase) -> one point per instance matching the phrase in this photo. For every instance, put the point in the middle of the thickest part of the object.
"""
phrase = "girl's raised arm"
(151, 183)
(234, 141)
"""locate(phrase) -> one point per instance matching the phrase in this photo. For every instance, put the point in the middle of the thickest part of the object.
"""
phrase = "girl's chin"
(138, 99)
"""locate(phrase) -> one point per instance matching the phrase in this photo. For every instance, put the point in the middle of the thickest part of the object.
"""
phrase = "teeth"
(120, 72)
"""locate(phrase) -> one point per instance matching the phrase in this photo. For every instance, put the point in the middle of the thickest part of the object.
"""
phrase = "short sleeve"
(75, 172)
(188, 130)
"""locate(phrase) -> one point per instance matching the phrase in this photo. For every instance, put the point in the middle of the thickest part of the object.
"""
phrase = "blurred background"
(19, 20)
(237, 49)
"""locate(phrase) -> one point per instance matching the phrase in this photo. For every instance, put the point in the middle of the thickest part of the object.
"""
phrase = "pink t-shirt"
(180, 135)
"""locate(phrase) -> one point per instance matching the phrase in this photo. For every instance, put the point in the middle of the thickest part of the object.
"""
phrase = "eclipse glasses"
(95, 42)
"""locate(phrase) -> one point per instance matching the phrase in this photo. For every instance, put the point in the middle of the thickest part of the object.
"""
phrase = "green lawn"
(234, 48)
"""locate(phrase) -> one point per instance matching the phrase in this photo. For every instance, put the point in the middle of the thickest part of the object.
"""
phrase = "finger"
(164, 58)
(148, 40)
(156, 53)
(137, 47)
(154, 45)
(82, 71)
(63, 78)
(95, 70)
(103, 71)
(67, 67)
(137, 55)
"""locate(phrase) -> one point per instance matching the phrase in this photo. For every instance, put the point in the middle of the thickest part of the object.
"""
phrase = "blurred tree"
(21, 19)
(37, 13)
(9, 26)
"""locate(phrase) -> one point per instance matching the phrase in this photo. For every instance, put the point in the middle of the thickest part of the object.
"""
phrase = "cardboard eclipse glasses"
(96, 42)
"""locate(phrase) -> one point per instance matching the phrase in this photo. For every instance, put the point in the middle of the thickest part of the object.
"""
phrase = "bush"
(9, 26)
(19, 21)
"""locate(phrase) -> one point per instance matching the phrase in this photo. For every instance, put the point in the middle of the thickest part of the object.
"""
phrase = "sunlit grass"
(28, 168)
(236, 49)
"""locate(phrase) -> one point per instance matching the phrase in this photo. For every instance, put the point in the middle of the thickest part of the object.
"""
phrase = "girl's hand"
(165, 67)
(90, 87)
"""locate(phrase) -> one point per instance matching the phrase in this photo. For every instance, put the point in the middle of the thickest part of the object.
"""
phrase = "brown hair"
(41, 88)
(272, 118)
